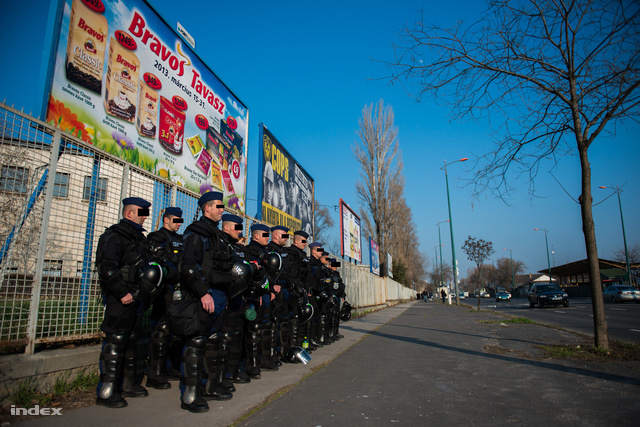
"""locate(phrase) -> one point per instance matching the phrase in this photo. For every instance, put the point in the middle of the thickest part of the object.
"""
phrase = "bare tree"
(403, 246)
(322, 222)
(634, 255)
(506, 271)
(478, 250)
(555, 69)
(436, 276)
(381, 181)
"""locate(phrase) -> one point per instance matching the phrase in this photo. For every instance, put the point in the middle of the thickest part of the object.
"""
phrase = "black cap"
(260, 227)
(280, 227)
(232, 218)
(304, 234)
(209, 196)
(173, 211)
(136, 201)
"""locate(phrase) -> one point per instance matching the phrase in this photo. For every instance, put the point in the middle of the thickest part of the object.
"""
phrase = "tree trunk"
(479, 283)
(588, 227)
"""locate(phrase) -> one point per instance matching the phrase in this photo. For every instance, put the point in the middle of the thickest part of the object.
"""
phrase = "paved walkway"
(412, 364)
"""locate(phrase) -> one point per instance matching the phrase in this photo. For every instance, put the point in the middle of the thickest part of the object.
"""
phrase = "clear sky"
(306, 70)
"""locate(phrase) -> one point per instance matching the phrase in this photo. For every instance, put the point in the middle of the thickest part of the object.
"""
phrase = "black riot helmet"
(306, 313)
(242, 273)
(345, 312)
(149, 282)
(272, 263)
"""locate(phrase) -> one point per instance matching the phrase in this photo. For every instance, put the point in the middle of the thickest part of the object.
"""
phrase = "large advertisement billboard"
(374, 257)
(125, 82)
(350, 230)
(285, 189)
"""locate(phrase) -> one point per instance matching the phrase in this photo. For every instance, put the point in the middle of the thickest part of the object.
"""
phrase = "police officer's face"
(278, 237)
(261, 237)
(172, 223)
(215, 210)
(137, 214)
(229, 227)
(300, 242)
(317, 252)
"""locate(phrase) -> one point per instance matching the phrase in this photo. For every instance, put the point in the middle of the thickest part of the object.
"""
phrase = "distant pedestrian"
(443, 294)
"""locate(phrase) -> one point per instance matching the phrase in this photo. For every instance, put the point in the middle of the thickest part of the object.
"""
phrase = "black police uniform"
(206, 263)
(339, 294)
(319, 280)
(166, 249)
(259, 333)
(121, 249)
(281, 312)
(299, 270)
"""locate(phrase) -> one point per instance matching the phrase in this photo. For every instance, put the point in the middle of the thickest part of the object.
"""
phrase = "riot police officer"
(121, 255)
(299, 270)
(260, 337)
(206, 265)
(281, 312)
(339, 295)
(316, 283)
(166, 248)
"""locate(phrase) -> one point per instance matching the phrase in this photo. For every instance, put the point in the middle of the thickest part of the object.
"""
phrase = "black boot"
(192, 361)
(233, 362)
(285, 339)
(158, 352)
(214, 367)
(251, 346)
(275, 354)
(111, 361)
(265, 348)
(132, 380)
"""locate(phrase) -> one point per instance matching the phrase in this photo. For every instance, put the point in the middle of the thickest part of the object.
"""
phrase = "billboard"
(374, 257)
(125, 82)
(350, 229)
(285, 189)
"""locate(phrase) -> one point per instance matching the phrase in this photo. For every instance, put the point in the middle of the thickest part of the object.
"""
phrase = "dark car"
(503, 296)
(547, 294)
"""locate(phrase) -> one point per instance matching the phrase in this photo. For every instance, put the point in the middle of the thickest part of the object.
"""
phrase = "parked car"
(485, 295)
(547, 294)
(461, 295)
(503, 296)
(621, 293)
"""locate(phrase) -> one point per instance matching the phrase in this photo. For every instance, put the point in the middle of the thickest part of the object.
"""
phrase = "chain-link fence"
(57, 196)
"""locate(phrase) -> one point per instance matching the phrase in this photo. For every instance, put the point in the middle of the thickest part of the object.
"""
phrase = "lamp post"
(454, 263)
(547, 243)
(440, 242)
(513, 282)
(618, 190)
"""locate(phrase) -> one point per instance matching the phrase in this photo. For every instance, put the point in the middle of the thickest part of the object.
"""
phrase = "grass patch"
(619, 352)
(27, 395)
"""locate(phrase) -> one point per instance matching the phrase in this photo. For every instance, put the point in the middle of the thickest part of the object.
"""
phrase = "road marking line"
(635, 330)
(618, 309)
(558, 311)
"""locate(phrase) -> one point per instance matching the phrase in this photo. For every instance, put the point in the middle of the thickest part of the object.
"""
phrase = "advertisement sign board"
(350, 229)
(374, 257)
(285, 188)
(125, 82)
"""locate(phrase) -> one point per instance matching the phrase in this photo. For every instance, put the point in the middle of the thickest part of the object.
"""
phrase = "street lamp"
(618, 190)
(513, 282)
(454, 263)
(547, 243)
(440, 242)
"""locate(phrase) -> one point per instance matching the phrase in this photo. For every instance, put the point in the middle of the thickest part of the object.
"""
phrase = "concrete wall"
(364, 289)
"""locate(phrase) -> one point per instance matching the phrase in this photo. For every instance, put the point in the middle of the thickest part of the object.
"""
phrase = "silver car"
(621, 293)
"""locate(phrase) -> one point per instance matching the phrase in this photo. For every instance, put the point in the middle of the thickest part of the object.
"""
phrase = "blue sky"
(306, 69)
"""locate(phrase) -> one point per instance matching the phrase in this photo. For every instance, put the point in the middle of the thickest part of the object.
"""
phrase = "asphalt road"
(623, 320)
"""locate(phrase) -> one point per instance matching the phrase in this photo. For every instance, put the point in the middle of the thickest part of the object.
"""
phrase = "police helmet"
(306, 313)
(272, 262)
(345, 312)
(149, 282)
(241, 273)
(297, 354)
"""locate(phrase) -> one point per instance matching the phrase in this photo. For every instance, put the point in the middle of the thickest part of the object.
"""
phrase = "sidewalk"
(419, 363)
(162, 407)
